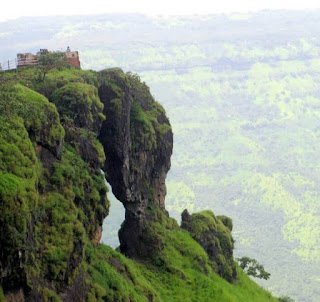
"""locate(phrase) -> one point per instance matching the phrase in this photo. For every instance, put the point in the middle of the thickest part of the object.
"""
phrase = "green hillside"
(242, 95)
(54, 200)
(254, 138)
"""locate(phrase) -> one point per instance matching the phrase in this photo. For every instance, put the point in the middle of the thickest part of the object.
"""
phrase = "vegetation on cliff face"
(53, 197)
(80, 103)
(28, 122)
(179, 271)
(145, 111)
(138, 140)
(243, 100)
(214, 235)
(53, 200)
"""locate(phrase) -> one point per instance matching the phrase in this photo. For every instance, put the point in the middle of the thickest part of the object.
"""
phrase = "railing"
(27, 62)
(23, 62)
(8, 65)
(17, 63)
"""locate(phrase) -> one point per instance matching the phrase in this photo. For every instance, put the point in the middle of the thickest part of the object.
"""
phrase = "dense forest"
(242, 93)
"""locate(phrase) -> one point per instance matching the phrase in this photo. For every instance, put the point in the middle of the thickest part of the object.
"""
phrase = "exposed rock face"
(97, 236)
(137, 140)
(213, 233)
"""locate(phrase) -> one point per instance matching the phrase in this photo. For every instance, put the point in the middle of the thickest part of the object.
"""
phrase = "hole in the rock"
(113, 221)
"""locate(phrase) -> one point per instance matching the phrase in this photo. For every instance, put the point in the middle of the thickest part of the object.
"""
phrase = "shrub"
(285, 299)
(48, 61)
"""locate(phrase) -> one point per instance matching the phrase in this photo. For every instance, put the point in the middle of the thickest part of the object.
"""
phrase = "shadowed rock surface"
(137, 140)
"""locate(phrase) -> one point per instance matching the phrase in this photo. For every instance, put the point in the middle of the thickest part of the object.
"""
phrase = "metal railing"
(8, 65)
(27, 62)
(17, 63)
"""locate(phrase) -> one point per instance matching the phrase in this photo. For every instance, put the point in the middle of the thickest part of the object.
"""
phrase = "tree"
(285, 299)
(48, 61)
(253, 268)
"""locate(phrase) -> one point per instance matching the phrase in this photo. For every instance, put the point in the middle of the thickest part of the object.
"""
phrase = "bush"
(285, 299)
(48, 61)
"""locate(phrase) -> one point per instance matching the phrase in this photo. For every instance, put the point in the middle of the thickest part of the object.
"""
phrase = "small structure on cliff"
(26, 59)
(73, 58)
(29, 59)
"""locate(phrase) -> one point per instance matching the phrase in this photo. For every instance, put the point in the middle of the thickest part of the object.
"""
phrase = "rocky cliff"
(56, 137)
(137, 139)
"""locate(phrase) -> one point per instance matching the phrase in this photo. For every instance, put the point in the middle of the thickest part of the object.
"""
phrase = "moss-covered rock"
(28, 124)
(40, 117)
(53, 195)
(137, 139)
(79, 103)
(213, 233)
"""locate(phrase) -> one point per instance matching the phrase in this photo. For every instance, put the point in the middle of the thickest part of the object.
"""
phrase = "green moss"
(74, 178)
(226, 221)
(40, 117)
(50, 296)
(74, 205)
(19, 174)
(2, 298)
(146, 129)
(95, 143)
(181, 272)
(110, 74)
(81, 103)
(60, 217)
(143, 133)
(96, 294)
(214, 234)
(204, 221)
(58, 78)
(115, 278)
(116, 106)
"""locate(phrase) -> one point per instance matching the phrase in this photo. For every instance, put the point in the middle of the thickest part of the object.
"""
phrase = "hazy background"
(21, 8)
(243, 96)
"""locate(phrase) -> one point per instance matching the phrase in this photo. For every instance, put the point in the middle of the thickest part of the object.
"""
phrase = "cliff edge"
(56, 137)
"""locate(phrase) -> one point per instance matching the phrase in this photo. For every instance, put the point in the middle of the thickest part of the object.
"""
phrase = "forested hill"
(242, 93)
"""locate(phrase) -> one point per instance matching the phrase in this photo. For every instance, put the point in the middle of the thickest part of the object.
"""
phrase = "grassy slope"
(180, 273)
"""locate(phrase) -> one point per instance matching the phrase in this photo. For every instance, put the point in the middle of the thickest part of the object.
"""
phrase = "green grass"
(180, 272)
